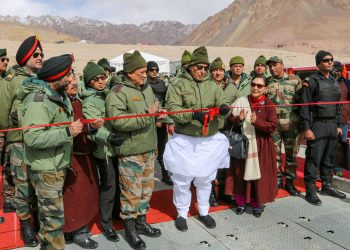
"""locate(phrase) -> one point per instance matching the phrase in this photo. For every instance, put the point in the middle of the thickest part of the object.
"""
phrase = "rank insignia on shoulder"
(9, 76)
(117, 87)
(61, 109)
(136, 98)
(39, 97)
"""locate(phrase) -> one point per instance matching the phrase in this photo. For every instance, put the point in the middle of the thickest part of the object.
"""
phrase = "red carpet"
(162, 210)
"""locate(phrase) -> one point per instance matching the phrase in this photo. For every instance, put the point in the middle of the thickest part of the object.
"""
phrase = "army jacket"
(285, 90)
(9, 102)
(46, 149)
(125, 99)
(94, 106)
(188, 94)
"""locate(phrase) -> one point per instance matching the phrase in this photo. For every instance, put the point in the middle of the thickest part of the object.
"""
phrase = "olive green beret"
(186, 58)
(236, 60)
(260, 60)
(3, 52)
(104, 63)
(133, 62)
(217, 64)
(90, 71)
(199, 55)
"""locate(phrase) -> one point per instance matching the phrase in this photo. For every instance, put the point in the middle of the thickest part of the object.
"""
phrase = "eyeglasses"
(98, 78)
(157, 70)
(259, 86)
(200, 67)
(5, 59)
(36, 54)
(326, 60)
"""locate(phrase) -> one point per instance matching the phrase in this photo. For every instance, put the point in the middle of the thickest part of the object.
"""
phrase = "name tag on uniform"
(136, 99)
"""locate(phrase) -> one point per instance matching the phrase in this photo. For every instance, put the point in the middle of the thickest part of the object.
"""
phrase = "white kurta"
(196, 156)
(195, 159)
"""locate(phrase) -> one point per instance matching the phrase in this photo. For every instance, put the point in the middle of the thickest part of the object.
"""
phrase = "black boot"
(132, 237)
(311, 195)
(28, 234)
(290, 188)
(142, 227)
(331, 191)
(165, 175)
(212, 198)
(279, 182)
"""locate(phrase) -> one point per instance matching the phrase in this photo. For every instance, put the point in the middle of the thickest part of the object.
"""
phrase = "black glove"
(14, 119)
(199, 116)
(224, 109)
(115, 140)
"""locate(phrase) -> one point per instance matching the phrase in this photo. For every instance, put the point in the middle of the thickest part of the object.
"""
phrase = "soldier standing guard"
(322, 126)
(130, 96)
(4, 60)
(48, 150)
(29, 58)
(283, 88)
(159, 90)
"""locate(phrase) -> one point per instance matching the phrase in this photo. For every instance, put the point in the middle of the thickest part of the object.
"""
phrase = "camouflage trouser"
(136, 180)
(291, 141)
(24, 196)
(8, 189)
(48, 188)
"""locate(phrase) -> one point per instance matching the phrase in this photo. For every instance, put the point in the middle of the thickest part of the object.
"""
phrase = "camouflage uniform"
(8, 190)
(286, 91)
(136, 176)
(48, 187)
(24, 189)
(10, 104)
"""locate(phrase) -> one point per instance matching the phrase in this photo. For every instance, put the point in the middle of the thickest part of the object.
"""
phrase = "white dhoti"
(195, 159)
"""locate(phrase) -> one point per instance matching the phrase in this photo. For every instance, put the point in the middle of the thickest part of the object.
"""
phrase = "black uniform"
(323, 120)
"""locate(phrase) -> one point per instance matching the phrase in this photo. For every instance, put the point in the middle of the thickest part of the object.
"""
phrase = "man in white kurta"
(191, 155)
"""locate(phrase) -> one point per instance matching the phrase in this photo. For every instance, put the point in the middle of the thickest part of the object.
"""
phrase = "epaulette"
(292, 77)
(117, 87)
(39, 96)
(9, 76)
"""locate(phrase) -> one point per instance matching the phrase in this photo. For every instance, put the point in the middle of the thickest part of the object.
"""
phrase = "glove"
(224, 109)
(14, 119)
(199, 116)
(115, 140)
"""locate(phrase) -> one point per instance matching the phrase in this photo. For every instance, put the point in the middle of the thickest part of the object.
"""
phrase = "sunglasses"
(259, 86)
(98, 78)
(36, 54)
(157, 70)
(327, 60)
(200, 67)
(5, 59)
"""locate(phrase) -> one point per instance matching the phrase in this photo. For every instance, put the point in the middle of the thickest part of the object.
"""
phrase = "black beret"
(56, 68)
(152, 65)
(320, 55)
(26, 50)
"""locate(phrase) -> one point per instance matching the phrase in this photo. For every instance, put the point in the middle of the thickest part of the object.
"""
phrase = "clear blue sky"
(118, 11)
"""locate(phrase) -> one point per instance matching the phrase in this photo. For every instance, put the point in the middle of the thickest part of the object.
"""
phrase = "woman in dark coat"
(80, 193)
(264, 119)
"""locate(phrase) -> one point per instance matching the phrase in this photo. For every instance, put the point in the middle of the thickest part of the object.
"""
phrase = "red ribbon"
(211, 112)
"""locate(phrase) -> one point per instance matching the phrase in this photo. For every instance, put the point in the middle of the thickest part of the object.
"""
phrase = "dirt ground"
(84, 52)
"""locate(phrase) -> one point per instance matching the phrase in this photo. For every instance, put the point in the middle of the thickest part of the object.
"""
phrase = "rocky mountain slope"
(154, 32)
(300, 25)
